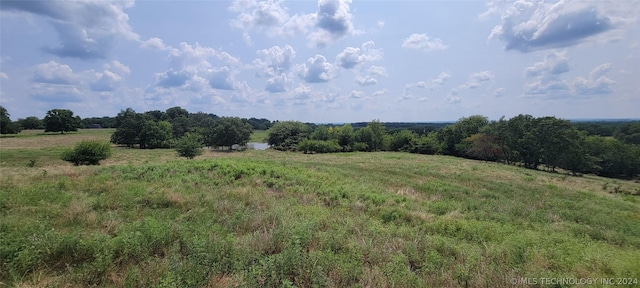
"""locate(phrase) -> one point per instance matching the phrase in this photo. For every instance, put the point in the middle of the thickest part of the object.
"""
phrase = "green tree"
(129, 125)
(628, 133)
(363, 139)
(402, 141)
(31, 123)
(60, 120)
(345, 136)
(287, 134)
(378, 132)
(228, 131)
(189, 146)
(6, 126)
(87, 152)
(521, 139)
(320, 133)
(155, 134)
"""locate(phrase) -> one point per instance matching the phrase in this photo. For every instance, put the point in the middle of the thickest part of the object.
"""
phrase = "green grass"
(266, 218)
(259, 136)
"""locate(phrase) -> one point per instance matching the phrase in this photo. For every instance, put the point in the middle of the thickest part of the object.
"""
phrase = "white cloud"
(155, 44)
(334, 20)
(356, 94)
(4, 76)
(554, 63)
(316, 70)
(110, 78)
(530, 25)
(476, 79)
(380, 93)
(350, 57)
(597, 83)
(423, 42)
(54, 73)
(87, 29)
(277, 84)
(499, 92)
(275, 60)
(370, 78)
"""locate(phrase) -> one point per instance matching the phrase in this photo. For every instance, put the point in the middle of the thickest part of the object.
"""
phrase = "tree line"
(546, 143)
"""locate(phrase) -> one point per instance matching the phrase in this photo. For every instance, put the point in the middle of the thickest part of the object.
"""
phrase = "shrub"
(87, 152)
(318, 146)
(190, 145)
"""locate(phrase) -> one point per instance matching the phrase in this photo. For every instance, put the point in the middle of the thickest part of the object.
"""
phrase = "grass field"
(146, 218)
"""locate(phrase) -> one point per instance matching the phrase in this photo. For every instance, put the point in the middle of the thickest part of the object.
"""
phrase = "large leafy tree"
(287, 134)
(228, 131)
(378, 132)
(628, 133)
(60, 120)
(6, 126)
(129, 127)
(155, 134)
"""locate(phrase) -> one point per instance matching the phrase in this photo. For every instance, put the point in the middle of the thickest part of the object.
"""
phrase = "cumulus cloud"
(380, 93)
(110, 78)
(155, 44)
(423, 42)
(275, 63)
(499, 92)
(275, 60)
(350, 57)
(54, 73)
(531, 25)
(57, 94)
(476, 79)
(332, 20)
(356, 94)
(277, 84)
(452, 97)
(316, 70)
(172, 78)
(87, 29)
(417, 90)
(554, 63)
(370, 78)
(597, 83)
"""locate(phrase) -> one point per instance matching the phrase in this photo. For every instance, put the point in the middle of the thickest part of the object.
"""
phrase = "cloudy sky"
(324, 61)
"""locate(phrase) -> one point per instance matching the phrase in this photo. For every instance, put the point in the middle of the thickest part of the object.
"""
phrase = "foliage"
(130, 126)
(87, 152)
(345, 136)
(378, 133)
(60, 120)
(6, 126)
(319, 146)
(228, 131)
(320, 133)
(155, 134)
(190, 145)
(31, 123)
(363, 139)
(287, 134)
(628, 133)
(425, 144)
(402, 140)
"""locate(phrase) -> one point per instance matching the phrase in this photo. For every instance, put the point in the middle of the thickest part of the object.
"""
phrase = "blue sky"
(324, 61)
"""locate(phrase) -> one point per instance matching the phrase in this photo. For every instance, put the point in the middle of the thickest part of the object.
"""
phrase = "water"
(257, 146)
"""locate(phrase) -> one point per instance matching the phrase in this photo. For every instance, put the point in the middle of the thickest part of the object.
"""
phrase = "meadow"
(147, 218)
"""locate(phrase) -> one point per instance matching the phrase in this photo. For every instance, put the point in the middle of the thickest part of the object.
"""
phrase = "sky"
(325, 61)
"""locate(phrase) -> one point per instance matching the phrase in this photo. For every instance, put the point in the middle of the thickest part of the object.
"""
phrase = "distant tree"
(555, 138)
(189, 146)
(320, 133)
(228, 131)
(155, 134)
(31, 123)
(402, 141)
(130, 125)
(378, 132)
(628, 133)
(425, 144)
(363, 139)
(522, 141)
(286, 135)
(87, 152)
(60, 120)
(451, 137)
(175, 112)
(345, 136)
(180, 125)
(6, 126)
(157, 115)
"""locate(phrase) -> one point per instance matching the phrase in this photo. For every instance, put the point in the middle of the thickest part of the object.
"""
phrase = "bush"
(318, 146)
(190, 145)
(87, 152)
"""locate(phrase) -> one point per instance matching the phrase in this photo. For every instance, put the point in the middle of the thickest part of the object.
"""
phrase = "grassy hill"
(146, 218)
